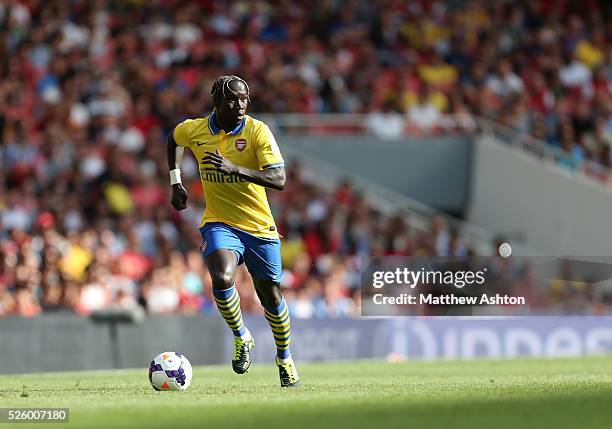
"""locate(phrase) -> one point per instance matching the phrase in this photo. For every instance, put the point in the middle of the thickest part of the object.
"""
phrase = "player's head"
(230, 95)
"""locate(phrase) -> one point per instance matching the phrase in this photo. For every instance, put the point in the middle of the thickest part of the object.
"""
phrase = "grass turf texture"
(562, 393)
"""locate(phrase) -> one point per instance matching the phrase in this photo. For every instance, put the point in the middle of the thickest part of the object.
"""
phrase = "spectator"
(388, 124)
(424, 113)
(505, 82)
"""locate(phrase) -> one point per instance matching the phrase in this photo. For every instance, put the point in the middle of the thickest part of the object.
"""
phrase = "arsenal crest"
(240, 144)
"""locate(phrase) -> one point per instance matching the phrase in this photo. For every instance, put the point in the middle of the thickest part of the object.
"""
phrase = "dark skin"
(222, 263)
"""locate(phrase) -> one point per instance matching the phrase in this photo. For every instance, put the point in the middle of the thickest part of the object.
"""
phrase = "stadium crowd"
(90, 89)
(115, 241)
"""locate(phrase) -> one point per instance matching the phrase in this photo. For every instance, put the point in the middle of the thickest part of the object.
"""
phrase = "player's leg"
(277, 314)
(223, 252)
(263, 259)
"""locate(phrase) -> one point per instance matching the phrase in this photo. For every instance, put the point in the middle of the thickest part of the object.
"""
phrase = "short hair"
(221, 85)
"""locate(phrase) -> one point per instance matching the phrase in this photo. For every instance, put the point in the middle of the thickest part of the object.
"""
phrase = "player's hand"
(179, 197)
(219, 163)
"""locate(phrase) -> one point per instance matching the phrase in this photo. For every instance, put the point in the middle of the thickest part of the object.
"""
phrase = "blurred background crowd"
(90, 89)
(100, 249)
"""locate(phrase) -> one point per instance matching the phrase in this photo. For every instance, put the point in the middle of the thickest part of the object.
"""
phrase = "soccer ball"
(170, 371)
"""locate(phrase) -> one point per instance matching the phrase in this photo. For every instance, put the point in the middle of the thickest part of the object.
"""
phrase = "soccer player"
(238, 158)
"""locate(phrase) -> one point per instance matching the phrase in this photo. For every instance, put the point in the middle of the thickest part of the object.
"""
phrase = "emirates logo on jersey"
(240, 144)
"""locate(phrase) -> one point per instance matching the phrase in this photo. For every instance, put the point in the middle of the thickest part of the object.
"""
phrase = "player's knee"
(270, 297)
(275, 299)
(222, 279)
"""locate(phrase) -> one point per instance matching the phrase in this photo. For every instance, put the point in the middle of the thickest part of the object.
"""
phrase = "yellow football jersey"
(230, 199)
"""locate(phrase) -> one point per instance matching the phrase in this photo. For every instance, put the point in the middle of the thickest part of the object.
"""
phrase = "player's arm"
(271, 173)
(273, 178)
(175, 156)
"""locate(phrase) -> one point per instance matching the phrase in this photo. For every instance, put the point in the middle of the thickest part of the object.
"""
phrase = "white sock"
(247, 336)
(279, 360)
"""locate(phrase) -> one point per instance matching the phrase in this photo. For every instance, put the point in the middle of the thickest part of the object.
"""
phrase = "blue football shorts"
(261, 255)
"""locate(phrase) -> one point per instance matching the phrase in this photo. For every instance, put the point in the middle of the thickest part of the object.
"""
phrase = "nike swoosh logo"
(202, 143)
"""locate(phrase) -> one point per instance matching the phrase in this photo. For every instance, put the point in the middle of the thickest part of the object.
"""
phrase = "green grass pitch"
(524, 393)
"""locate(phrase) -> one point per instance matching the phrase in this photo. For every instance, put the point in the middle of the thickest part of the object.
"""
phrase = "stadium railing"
(357, 124)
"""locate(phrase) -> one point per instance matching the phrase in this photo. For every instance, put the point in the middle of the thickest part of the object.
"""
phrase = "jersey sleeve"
(181, 134)
(266, 149)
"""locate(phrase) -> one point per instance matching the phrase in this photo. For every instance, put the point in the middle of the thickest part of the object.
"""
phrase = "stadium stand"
(89, 90)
